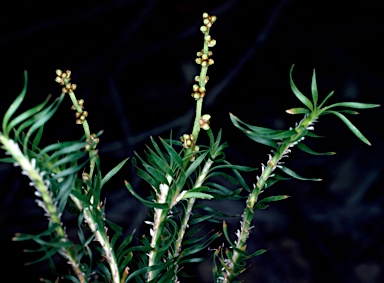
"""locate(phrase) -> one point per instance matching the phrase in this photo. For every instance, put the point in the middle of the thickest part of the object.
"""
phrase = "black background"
(134, 65)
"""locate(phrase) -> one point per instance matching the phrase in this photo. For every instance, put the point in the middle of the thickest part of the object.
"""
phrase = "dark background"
(134, 65)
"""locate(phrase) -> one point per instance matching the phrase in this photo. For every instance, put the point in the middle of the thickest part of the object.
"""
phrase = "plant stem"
(232, 271)
(100, 232)
(29, 169)
(190, 203)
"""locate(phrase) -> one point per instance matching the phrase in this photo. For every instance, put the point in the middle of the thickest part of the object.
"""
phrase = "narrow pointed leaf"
(25, 115)
(273, 198)
(15, 105)
(306, 149)
(144, 201)
(351, 127)
(298, 94)
(296, 176)
(195, 164)
(355, 105)
(198, 195)
(325, 100)
(297, 111)
(113, 172)
(314, 89)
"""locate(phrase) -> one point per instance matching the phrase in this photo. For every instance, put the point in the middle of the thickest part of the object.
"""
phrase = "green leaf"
(298, 94)
(314, 89)
(42, 118)
(15, 105)
(173, 154)
(145, 176)
(25, 115)
(306, 149)
(37, 139)
(296, 176)
(297, 111)
(197, 195)
(113, 172)
(192, 167)
(328, 96)
(151, 204)
(273, 198)
(257, 253)
(355, 105)
(234, 167)
(351, 127)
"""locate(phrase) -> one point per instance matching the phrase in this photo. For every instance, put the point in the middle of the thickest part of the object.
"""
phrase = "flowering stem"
(100, 232)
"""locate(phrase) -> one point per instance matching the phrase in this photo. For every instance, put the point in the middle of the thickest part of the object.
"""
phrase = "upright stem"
(28, 167)
(100, 232)
(282, 151)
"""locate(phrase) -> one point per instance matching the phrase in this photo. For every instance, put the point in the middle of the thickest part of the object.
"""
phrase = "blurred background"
(133, 62)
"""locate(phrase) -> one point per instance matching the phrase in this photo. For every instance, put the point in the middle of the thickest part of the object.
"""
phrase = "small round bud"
(202, 89)
(85, 113)
(212, 43)
(64, 90)
(199, 54)
(58, 72)
(68, 86)
(63, 75)
(73, 86)
(77, 114)
(73, 107)
(195, 88)
(197, 78)
(210, 62)
(58, 80)
(204, 63)
(80, 102)
(213, 19)
(205, 15)
(207, 38)
(204, 56)
(203, 29)
(198, 61)
(85, 176)
(79, 121)
(205, 127)
(206, 21)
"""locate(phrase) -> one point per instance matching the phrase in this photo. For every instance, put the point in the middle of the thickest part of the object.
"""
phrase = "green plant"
(67, 176)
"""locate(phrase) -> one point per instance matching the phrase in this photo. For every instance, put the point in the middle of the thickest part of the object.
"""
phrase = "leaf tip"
(290, 111)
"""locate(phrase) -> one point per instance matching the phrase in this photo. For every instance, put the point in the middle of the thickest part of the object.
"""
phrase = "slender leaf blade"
(297, 92)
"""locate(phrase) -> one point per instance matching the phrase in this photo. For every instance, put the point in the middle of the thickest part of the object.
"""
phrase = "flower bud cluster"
(93, 140)
(195, 150)
(187, 140)
(204, 121)
(64, 79)
(80, 116)
(208, 22)
(206, 79)
(203, 58)
(198, 91)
